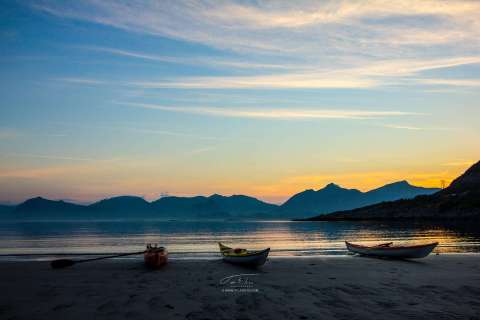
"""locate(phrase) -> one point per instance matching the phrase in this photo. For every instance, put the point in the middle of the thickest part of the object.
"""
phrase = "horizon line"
(87, 203)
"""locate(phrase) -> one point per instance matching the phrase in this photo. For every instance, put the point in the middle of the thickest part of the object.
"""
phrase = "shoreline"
(342, 287)
(186, 256)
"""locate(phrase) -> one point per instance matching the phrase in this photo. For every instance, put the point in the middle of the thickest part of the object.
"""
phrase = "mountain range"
(460, 200)
(309, 202)
(334, 198)
(215, 206)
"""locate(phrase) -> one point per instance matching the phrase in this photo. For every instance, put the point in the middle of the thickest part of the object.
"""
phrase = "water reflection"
(201, 237)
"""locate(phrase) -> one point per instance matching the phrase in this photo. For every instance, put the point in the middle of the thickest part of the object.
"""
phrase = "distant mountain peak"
(331, 186)
(402, 184)
(334, 197)
(42, 200)
(392, 190)
(122, 198)
(39, 205)
(121, 203)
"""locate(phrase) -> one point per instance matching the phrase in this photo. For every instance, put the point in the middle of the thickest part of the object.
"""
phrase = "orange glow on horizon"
(276, 191)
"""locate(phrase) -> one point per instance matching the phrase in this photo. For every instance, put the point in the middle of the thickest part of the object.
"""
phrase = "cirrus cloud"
(275, 113)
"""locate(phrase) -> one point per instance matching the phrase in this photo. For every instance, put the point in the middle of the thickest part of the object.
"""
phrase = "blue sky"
(101, 98)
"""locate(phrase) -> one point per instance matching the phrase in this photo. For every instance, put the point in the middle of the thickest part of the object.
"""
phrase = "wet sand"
(438, 287)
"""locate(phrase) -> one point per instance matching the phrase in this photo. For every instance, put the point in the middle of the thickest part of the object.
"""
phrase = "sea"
(199, 239)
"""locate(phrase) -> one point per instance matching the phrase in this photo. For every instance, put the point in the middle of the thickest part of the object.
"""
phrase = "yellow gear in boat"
(237, 252)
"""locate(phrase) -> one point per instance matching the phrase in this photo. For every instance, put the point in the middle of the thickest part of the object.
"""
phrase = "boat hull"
(254, 259)
(407, 252)
(155, 258)
(247, 258)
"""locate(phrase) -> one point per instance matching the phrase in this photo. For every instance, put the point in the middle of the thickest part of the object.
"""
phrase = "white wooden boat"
(252, 258)
(387, 250)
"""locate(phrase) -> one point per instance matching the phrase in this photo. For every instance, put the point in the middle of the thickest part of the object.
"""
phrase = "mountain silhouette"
(334, 198)
(307, 203)
(461, 200)
(121, 204)
(215, 206)
(469, 182)
(325, 200)
(42, 207)
(397, 190)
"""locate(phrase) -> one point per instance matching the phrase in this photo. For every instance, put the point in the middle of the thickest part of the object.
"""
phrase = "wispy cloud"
(284, 15)
(402, 127)
(270, 25)
(407, 67)
(327, 44)
(204, 61)
(385, 68)
(85, 81)
(173, 134)
(416, 128)
(362, 76)
(451, 82)
(368, 75)
(135, 127)
(49, 157)
(276, 113)
(282, 81)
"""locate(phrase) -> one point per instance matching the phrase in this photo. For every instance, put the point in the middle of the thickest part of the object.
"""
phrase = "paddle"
(64, 263)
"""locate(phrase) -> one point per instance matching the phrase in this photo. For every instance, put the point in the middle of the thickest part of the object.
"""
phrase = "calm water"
(199, 238)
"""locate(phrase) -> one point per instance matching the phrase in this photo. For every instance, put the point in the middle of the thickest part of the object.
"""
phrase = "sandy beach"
(347, 287)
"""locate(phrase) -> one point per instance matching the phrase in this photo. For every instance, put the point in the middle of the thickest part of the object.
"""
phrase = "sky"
(101, 98)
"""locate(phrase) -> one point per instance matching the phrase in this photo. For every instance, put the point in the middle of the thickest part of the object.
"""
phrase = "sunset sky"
(102, 98)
